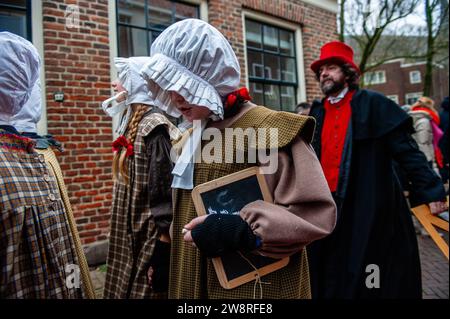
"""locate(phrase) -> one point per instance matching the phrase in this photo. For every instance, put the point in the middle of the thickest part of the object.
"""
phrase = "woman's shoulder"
(278, 128)
(152, 120)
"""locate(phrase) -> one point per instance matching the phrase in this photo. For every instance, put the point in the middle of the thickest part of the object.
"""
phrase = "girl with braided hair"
(138, 257)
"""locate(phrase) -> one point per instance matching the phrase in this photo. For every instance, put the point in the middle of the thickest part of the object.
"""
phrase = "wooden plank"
(425, 217)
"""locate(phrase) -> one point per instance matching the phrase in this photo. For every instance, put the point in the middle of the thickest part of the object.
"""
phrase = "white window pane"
(13, 21)
(253, 34)
(133, 42)
(272, 67)
(17, 3)
(255, 64)
(270, 38)
(288, 98)
(393, 98)
(132, 12)
(415, 77)
(160, 14)
(288, 69)
(287, 43)
(257, 93)
(272, 96)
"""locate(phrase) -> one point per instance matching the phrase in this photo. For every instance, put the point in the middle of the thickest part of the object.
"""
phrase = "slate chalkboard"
(228, 195)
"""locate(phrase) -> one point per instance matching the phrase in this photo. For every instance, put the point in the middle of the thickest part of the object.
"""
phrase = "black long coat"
(374, 225)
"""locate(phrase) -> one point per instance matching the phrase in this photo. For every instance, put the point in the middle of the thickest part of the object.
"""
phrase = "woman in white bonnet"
(141, 212)
(36, 243)
(193, 71)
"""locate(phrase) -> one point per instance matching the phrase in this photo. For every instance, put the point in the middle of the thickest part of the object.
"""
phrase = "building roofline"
(330, 5)
(407, 65)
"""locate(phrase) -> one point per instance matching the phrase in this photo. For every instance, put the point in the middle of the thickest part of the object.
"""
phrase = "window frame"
(147, 29)
(374, 79)
(299, 85)
(412, 95)
(27, 10)
(411, 74)
(393, 97)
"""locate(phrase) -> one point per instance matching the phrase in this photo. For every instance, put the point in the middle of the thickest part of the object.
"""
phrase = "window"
(393, 98)
(412, 98)
(15, 17)
(376, 77)
(272, 65)
(415, 77)
(140, 22)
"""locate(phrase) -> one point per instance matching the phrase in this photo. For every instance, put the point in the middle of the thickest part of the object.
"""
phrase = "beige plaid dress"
(37, 254)
(133, 229)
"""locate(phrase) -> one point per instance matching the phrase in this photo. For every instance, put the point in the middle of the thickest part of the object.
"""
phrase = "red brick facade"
(398, 81)
(318, 27)
(77, 62)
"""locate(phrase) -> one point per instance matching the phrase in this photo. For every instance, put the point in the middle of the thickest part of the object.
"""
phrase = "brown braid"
(120, 163)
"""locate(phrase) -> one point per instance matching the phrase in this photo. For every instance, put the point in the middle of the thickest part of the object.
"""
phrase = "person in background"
(427, 132)
(303, 108)
(358, 136)
(25, 122)
(194, 72)
(38, 255)
(444, 142)
(141, 212)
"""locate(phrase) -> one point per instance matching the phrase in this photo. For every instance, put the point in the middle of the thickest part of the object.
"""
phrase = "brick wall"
(318, 27)
(77, 63)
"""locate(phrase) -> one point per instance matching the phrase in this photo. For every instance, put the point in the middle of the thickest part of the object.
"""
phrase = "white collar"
(336, 99)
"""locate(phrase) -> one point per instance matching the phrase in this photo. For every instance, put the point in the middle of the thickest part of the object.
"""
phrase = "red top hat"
(335, 51)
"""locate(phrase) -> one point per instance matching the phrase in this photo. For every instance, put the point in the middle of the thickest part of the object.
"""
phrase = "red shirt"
(335, 124)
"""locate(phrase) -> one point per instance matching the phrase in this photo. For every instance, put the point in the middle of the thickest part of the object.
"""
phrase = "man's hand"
(438, 207)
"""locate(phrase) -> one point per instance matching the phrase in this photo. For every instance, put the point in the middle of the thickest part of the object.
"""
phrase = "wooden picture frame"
(236, 268)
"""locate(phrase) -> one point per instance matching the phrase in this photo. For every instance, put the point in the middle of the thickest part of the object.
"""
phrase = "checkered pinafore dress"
(133, 230)
(193, 276)
(37, 253)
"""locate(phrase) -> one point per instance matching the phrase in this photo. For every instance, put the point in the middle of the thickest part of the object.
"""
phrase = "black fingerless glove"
(221, 233)
(160, 262)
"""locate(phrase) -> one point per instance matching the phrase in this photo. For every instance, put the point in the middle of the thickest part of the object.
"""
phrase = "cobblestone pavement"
(98, 280)
(435, 271)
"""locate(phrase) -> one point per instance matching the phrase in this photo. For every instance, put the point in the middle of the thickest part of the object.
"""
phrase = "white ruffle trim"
(164, 74)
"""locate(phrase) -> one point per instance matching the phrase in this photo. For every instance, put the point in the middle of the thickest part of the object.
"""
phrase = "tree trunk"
(428, 81)
(342, 21)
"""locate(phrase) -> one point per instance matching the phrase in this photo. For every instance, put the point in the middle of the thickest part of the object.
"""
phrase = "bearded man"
(373, 251)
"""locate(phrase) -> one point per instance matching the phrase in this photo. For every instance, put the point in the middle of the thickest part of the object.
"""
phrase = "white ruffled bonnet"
(129, 76)
(19, 71)
(29, 115)
(194, 59)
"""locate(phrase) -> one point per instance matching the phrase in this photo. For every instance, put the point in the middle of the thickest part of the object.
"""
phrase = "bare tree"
(373, 26)
(436, 17)
(342, 20)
